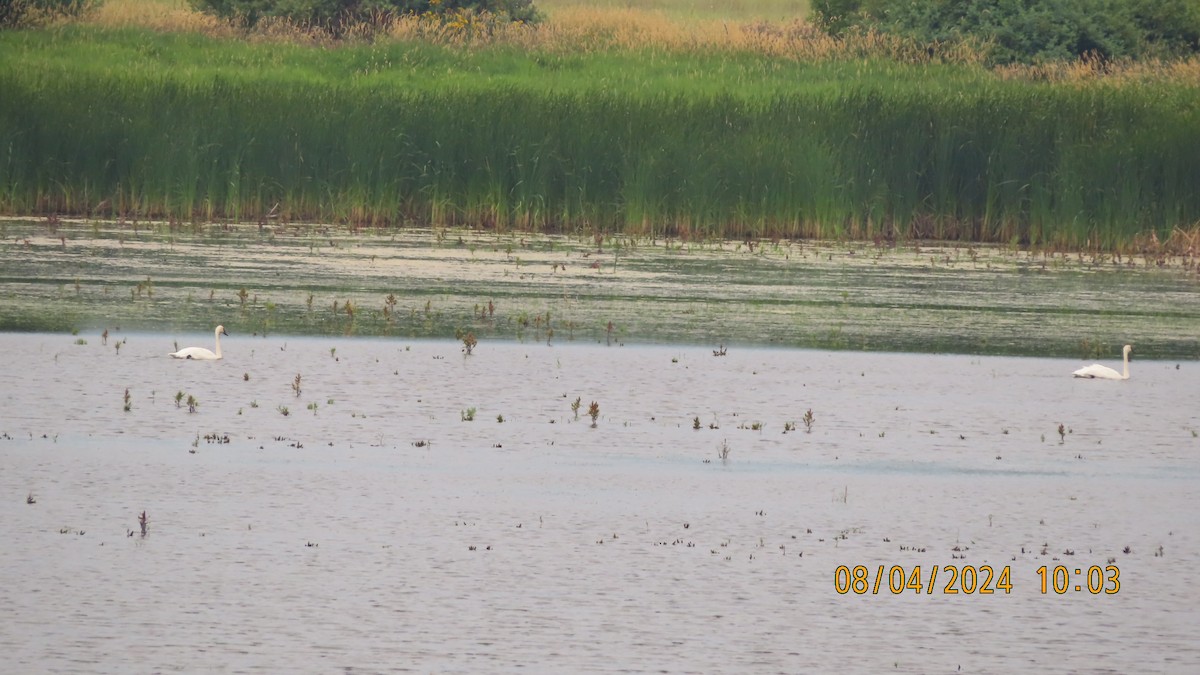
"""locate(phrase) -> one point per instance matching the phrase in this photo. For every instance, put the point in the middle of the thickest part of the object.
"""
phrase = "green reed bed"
(129, 123)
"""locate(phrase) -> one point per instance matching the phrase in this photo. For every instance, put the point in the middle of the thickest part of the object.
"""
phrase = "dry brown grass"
(667, 26)
(590, 30)
(162, 15)
(1185, 71)
(658, 25)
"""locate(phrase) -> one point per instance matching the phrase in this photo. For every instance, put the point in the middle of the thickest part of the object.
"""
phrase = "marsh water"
(383, 502)
(271, 279)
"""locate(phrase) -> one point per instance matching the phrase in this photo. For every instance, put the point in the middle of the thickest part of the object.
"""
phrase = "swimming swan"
(200, 353)
(1098, 371)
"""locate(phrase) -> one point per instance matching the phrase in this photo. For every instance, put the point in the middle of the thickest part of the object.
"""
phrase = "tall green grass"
(130, 123)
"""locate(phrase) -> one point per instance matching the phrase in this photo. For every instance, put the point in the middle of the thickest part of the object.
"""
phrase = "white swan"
(200, 353)
(1098, 371)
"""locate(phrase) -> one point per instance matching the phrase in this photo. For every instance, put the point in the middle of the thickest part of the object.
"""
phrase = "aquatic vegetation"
(30, 499)
(757, 137)
(468, 415)
(594, 412)
(179, 398)
(283, 410)
(575, 405)
(144, 523)
(313, 407)
(809, 419)
(723, 451)
(296, 385)
(1062, 434)
(696, 422)
(469, 343)
(128, 401)
(192, 403)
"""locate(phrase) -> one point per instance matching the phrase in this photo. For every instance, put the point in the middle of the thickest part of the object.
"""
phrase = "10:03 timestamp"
(972, 580)
(1096, 580)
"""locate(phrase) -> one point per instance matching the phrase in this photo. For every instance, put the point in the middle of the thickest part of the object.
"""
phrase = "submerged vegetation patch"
(478, 287)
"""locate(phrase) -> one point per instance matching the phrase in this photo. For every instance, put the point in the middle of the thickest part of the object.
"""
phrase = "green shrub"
(338, 15)
(1029, 30)
(21, 13)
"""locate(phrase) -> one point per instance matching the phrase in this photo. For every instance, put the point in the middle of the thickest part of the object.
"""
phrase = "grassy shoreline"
(646, 139)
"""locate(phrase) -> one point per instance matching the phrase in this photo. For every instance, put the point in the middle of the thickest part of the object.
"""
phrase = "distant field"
(738, 10)
(741, 10)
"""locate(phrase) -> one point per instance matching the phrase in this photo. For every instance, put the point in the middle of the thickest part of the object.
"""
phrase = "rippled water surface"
(374, 529)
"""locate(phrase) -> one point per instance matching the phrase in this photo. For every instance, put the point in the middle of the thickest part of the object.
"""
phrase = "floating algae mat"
(313, 280)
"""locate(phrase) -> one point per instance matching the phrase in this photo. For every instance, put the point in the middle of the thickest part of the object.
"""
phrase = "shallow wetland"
(283, 279)
(352, 492)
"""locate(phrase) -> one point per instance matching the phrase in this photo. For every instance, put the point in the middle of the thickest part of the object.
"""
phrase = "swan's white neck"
(217, 351)
(1124, 371)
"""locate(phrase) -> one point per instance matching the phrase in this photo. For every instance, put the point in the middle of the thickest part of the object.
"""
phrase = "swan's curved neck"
(1125, 371)
(217, 351)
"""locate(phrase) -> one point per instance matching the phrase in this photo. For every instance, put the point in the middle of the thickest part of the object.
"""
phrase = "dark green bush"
(337, 15)
(18, 13)
(1029, 30)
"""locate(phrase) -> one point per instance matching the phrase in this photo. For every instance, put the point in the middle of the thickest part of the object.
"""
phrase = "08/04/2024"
(972, 580)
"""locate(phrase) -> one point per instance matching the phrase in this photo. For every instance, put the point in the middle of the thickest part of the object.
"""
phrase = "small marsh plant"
(468, 415)
(808, 420)
(469, 343)
(594, 412)
(723, 451)
(192, 403)
(178, 398)
(296, 384)
(575, 406)
(128, 400)
(1062, 434)
(144, 523)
